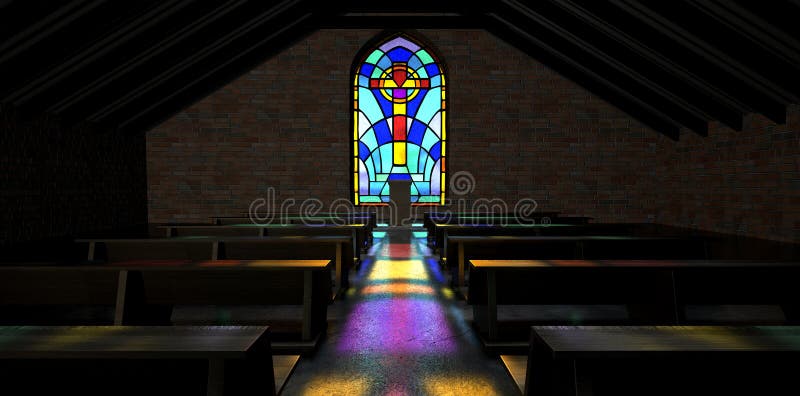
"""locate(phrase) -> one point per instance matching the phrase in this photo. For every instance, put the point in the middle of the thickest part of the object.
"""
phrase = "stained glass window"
(399, 123)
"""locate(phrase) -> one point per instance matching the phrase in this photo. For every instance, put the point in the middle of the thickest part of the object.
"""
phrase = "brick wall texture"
(58, 181)
(521, 129)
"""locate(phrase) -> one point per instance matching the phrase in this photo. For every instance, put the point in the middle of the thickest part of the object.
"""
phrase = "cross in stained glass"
(399, 84)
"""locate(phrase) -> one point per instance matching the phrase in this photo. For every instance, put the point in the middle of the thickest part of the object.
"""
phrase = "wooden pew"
(358, 232)
(466, 248)
(369, 219)
(653, 291)
(236, 248)
(135, 360)
(662, 360)
(50, 294)
(442, 232)
(430, 219)
(143, 292)
(295, 247)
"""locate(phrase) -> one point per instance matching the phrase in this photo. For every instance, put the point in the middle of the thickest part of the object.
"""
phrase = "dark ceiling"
(131, 64)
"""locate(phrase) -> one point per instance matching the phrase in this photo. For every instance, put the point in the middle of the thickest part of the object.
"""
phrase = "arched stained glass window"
(399, 123)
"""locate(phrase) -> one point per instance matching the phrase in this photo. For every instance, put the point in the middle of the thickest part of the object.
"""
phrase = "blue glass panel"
(376, 187)
(428, 169)
(366, 69)
(414, 190)
(415, 198)
(429, 140)
(382, 132)
(374, 56)
(416, 132)
(430, 105)
(384, 198)
(424, 188)
(400, 176)
(424, 158)
(399, 54)
(422, 73)
(386, 106)
(413, 106)
(399, 42)
(363, 81)
(414, 63)
(363, 151)
(363, 179)
(370, 168)
(384, 63)
(436, 178)
(432, 69)
(424, 56)
(368, 104)
(385, 190)
(369, 139)
(376, 163)
(436, 151)
(386, 157)
(412, 155)
(436, 81)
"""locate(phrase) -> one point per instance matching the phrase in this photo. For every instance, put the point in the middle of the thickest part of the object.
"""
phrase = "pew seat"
(136, 360)
(658, 360)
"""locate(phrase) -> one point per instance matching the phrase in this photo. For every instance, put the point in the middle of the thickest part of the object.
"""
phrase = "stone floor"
(399, 331)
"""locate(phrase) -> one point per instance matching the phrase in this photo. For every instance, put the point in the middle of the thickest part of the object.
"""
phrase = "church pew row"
(653, 292)
(144, 292)
(659, 360)
(575, 247)
(442, 232)
(370, 219)
(450, 217)
(136, 360)
(358, 232)
(200, 248)
(432, 221)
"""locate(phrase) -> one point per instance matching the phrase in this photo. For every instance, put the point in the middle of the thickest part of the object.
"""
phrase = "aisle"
(399, 332)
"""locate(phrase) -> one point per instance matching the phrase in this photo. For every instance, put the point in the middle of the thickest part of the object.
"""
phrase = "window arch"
(399, 122)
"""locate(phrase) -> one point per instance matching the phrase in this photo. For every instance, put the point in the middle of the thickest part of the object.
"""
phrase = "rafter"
(91, 53)
(778, 97)
(717, 103)
(584, 75)
(231, 68)
(209, 50)
(162, 46)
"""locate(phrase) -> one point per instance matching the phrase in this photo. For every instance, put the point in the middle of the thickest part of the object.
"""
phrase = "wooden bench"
(430, 219)
(568, 247)
(201, 248)
(653, 291)
(358, 232)
(661, 360)
(442, 232)
(369, 219)
(143, 292)
(135, 360)
(50, 294)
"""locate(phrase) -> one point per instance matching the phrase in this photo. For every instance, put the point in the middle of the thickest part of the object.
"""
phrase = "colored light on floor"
(398, 288)
(397, 325)
(328, 385)
(459, 385)
(398, 269)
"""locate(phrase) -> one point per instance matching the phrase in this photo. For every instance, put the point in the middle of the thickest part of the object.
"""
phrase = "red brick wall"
(59, 181)
(739, 182)
(521, 129)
